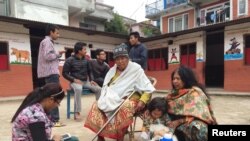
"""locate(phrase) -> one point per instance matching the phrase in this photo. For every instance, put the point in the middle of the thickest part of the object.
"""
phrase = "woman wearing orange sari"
(189, 103)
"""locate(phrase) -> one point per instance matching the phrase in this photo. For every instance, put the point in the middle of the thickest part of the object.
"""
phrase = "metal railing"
(160, 5)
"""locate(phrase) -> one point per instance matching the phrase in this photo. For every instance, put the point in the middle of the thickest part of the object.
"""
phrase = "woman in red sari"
(189, 103)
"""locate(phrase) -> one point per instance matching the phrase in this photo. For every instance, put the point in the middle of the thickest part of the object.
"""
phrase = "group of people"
(121, 92)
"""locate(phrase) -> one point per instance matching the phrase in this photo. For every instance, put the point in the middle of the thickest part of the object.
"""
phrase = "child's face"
(156, 114)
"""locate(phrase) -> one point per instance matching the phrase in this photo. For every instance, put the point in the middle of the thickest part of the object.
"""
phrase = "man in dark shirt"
(76, 69)
(99, 67)
(138, 52)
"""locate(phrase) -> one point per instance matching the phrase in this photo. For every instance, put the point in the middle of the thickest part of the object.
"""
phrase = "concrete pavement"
(228, 109)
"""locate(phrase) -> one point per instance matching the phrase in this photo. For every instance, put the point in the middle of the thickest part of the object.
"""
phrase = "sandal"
(59, 124)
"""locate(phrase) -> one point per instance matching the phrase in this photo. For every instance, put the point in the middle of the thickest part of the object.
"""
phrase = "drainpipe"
(165, 4)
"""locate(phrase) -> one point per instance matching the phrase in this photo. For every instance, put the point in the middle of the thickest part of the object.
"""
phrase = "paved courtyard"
(228, 110)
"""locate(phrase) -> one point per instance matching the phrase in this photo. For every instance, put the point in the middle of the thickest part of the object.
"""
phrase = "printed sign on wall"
(18, 48)
(174, 55)
(233, 49)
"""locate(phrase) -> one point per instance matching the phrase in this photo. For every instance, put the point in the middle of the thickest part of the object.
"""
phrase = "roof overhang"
(36, 24)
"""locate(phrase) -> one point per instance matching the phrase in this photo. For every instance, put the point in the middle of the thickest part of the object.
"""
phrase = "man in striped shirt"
(48, 62)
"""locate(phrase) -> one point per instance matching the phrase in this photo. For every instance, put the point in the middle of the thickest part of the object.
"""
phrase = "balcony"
(87, 26)
(102, 13)
(202, 1)
(155, 9)
(217, 14)
(4, 8)
(78, 7)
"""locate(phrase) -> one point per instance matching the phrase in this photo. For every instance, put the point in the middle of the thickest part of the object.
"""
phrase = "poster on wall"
(174, 55)
(18, 48)
(233, 49)
(20, 56)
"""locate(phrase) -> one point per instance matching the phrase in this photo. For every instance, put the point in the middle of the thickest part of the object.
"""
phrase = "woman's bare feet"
(77, 116)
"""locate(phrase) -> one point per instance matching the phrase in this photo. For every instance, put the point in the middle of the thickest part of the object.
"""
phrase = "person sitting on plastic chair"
(113, 113)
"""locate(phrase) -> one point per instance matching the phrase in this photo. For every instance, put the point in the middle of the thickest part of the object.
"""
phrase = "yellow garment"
(144, 97)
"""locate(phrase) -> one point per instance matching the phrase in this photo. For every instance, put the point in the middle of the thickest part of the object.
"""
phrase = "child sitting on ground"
(154, 121)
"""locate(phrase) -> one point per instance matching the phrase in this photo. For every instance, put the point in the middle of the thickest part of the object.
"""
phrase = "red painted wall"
(164, 77)
(237, 76)
(17, 81)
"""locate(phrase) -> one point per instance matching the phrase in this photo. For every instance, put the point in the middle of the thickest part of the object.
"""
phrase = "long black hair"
(48, 90)
(188, 78)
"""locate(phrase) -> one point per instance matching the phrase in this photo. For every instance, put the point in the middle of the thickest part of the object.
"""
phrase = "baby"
(154, 121)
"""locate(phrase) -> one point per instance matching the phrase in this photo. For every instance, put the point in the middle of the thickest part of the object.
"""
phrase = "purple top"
(31, 114)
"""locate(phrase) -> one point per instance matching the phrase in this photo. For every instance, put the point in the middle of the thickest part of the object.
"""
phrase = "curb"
(12, 98)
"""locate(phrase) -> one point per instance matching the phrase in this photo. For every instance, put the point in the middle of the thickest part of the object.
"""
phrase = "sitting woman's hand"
(189, 119)
(140, 106)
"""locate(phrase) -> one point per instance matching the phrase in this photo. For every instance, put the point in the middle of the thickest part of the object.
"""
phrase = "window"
(188, 55)
(202, 18)
(215, 14)
(87, 26)
(4, 7)
(93, 54)
(110, 59)
(178, 23)
(242, 7)
(171, 25)
(4, 61)
(247, 50)
(158, 59)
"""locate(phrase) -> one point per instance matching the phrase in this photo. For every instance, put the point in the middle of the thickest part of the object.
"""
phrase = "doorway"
(214, 66)
(36, 36)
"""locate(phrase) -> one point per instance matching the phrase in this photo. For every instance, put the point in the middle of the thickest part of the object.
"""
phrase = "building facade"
(210, 36)
(87, 14)
(19, 45)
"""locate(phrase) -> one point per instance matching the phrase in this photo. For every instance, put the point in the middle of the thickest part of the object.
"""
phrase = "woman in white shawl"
(121, 80)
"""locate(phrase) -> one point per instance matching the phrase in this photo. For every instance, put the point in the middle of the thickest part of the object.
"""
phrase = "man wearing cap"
(76, 69)
(121, 80)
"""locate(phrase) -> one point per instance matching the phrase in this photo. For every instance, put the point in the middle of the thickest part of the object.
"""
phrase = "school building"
(210, 36)
(215, 44)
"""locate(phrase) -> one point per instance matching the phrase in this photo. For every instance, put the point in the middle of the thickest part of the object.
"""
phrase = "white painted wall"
(50, 11)
(16, 36)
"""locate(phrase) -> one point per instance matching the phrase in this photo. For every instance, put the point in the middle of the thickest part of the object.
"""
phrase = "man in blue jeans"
(48, 62)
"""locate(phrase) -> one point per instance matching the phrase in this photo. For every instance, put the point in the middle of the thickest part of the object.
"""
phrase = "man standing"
(48, 62)
(76, 69)
(138, 52)
(99, 67)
